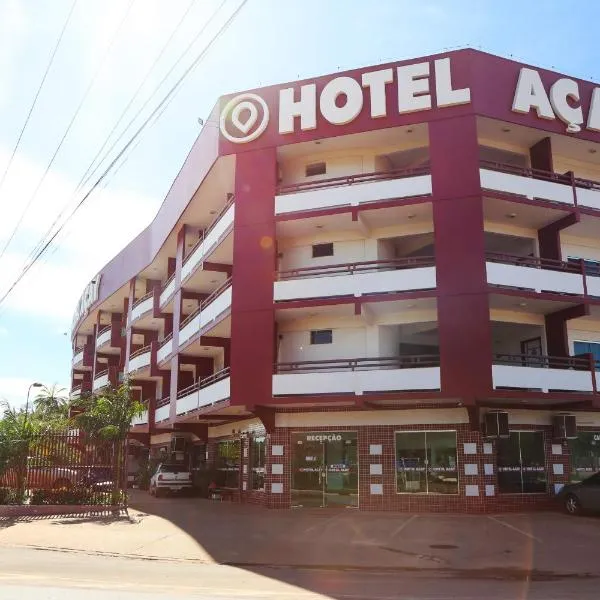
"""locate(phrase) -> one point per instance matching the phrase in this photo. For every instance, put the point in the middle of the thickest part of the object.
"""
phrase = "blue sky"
(271, 41)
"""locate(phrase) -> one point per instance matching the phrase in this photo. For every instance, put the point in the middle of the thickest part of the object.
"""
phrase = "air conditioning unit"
(564, 427)
(495, 425)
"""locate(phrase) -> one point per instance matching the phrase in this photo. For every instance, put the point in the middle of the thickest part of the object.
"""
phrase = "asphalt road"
(28, 574)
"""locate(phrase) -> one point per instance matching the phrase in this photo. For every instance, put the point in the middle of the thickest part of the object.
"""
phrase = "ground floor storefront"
(401, 460)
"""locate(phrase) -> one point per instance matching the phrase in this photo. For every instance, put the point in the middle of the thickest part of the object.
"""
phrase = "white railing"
(536, 378)
(205, 316)
(75, 393)
(164, 350)
(162, 413)
(357, 376)
(78, 358)
(141, 419)
(204, 396)
(103, 338)
(529, 187)
(212, 238)
(353, 190)
(537, 279)
(169, 290)
(139, 360)
(142, 307)
(588, 197)
(357, 282)
(100, 381)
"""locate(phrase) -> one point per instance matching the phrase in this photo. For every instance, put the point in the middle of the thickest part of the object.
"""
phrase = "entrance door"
(324, 469)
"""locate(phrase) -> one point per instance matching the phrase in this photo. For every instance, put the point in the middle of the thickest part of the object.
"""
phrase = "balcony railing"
(353, 190)
(140, 359)
(357, 376)
(536, 183)
(163, 409)
(207, 391)
(546, 373)
(352, 179)
(168, 290)
(210, 238)
(357, 279)
(103, 336)
(141, 306)
(534, 262)
(165, 348)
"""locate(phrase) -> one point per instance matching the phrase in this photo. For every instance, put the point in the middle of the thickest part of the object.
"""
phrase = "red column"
(462, 298)
(252, 320)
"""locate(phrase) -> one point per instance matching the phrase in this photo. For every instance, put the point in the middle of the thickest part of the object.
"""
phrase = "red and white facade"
(349, 272)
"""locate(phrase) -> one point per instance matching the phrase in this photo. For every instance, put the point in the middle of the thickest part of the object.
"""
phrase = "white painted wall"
(584, 170)
(142, 308)
(580, 247)
(344, 251)
(540, 378)
(389, 340)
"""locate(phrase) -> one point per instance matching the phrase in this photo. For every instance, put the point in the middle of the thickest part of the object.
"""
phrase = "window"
(321, 336)
(227, 464)
(319, 168)
(592, 267)
(587, 347)
(321, 250)
(257, 463)
(585, 455)
(426, 462)
(522, 463)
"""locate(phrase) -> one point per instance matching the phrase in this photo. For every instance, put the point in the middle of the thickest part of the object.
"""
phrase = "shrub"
(10, 496)
(73, 496)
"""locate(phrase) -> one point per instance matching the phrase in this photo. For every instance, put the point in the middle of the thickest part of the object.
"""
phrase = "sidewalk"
(190, 529)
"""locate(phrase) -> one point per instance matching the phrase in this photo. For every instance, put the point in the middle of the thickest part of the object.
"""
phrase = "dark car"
(582, 496)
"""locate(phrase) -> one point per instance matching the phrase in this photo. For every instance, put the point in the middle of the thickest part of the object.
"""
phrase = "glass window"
(585, 455)
(227, 464)
(319, 168)
(522, 463)
(588, 347)
(321, 336)
(426, 462)
(257, 463)
(321, 250)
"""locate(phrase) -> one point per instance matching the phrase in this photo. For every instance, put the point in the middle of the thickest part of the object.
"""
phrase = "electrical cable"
(37, 94)
(66, 133)
(155, 112)
(89, 172)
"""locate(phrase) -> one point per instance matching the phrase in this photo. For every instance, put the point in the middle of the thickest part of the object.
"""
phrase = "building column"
(462, 295)
(254, 257)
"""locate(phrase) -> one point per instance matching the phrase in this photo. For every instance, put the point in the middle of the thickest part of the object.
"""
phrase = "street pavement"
(27, 574)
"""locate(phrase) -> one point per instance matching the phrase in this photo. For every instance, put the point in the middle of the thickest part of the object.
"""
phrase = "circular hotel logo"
(244, 118)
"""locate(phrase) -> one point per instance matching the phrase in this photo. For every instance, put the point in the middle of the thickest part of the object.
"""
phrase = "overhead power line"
(131, 141)
(66, 133)
(37, 94)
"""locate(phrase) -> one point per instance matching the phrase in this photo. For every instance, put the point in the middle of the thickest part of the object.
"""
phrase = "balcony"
(75, 392)
(163, 407)
(208, 391)
(358, 376)
(141, 307)
(534, 183)
(211, 308)
(545, 373)
(103, 337)
(357, 279)
(78, 358)
(101, 380)
(353, 190)
(538, 274)
(165, 349)
(168, 290)
(140, 359)
(141, 419)
(213, 235)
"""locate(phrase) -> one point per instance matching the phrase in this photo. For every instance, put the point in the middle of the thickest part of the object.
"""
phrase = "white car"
(170, 478)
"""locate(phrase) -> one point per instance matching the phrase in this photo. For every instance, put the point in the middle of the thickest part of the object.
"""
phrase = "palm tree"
(52, 405)
(15, 434)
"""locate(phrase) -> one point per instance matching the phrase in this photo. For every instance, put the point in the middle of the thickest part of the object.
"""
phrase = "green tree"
(107, 417)
(16, 431)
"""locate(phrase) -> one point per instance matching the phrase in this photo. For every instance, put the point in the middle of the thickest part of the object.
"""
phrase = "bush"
(9, 496)
(74, 496)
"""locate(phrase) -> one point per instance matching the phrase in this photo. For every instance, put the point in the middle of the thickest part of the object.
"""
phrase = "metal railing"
(210, 298)
(167, 283)
(534, 262)
(352, 179)
(101, 374)
(577, 363)
(207, 231)
(360, 364)
(566, 179)
(144, 297)
(140, 351)
(222, 374)
(103, 330)
(163, 402)
(166, 339)
(389, 264)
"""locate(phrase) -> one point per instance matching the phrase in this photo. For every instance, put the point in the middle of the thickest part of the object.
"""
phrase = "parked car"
(582, 496)
(42, 474)
(98, 478)
(169, 478)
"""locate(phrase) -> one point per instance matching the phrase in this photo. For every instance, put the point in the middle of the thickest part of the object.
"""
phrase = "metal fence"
(64, 469)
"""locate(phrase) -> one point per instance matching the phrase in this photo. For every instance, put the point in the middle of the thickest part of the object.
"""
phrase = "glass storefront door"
(522, 463)
(324, 469)
(585, 455)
